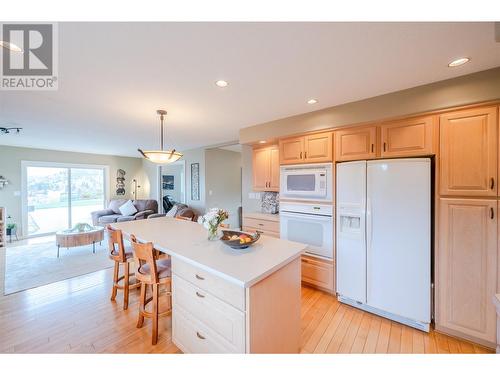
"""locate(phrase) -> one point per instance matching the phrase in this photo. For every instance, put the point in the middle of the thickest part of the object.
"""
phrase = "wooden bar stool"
(120, 255)
(153, 272)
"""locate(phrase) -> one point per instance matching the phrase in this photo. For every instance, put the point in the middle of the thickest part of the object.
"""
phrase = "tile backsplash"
(270, 203)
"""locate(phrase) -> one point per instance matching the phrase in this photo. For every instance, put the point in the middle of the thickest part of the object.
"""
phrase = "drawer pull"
(200, 295)
(200, 336)
(199, 277)
(260, 224)
(259, 231)
(492, 183)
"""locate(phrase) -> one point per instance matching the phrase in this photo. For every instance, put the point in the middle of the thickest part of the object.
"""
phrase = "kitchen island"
(226, 300)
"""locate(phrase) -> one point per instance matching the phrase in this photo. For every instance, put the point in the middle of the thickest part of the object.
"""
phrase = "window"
(59, 196)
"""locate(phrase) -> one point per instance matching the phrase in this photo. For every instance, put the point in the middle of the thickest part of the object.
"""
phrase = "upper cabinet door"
(318, 147)
(274, 180)
(468, 152)
(355, 143)
(411, 137)
(261, 169)
(291, 150)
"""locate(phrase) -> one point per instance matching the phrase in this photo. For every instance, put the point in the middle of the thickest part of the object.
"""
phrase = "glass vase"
(212, 233)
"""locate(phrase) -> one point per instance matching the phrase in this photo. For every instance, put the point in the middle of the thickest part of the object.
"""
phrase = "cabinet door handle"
(200, 295)
(373, 146)
(384, 146)
(492, 213)
(199, 277)
(301, 154)
(200, 336)
(492, 183)
(305, 155)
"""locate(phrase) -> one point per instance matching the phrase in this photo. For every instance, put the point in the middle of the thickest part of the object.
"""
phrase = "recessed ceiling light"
(221, 83)
(10, 46)
(312, 101)
(458, 62)
(262, 141)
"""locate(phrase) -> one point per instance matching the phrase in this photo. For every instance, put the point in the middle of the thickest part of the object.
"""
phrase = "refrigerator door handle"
(369, 231)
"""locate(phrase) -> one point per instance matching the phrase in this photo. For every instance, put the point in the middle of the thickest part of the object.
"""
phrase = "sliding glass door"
(57, 197)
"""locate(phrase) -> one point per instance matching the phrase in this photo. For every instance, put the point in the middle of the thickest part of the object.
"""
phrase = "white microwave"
(306, 181)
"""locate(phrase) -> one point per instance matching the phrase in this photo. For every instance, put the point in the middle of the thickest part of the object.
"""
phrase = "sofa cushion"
(108, 219)
(146, 204)
(115, 205)
(128, 209)
(125, 218)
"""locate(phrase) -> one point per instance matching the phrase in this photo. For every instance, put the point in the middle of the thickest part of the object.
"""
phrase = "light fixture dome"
(161, 156)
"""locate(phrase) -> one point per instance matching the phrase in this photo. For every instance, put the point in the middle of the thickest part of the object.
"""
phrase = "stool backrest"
(144, 254)
(115, 244)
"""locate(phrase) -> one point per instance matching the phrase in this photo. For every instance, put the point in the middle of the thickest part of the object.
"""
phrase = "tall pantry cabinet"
(467, 253)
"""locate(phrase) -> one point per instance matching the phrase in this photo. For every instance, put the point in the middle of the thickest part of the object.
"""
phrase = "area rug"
(33, 265)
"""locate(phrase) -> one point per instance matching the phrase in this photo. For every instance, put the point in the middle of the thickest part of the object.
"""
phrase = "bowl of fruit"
(239, 240)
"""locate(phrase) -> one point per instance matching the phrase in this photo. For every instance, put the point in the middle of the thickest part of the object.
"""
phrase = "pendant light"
(161, 156)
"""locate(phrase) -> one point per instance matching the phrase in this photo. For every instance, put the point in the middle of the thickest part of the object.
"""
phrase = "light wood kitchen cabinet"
(409, 137)
(466, 268)
(355, 143)
(314, 148)
(318, 272)
(468, 152)
(266, 169)
(291, 150)
(318, 148)
(267, 224)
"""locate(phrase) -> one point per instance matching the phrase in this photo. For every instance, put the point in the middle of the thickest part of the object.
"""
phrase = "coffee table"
(70, 238)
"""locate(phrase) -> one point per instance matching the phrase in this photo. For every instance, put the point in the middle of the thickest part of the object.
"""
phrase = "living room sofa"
(145, 207)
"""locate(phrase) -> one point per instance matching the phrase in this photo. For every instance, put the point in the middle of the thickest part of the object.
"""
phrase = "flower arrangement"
(212, 219)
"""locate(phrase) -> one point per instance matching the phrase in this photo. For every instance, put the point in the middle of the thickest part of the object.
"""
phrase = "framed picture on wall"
(195, 181)
(168, 182)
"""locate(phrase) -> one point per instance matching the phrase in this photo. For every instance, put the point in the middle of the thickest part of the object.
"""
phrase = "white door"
(351, 237)
(399, 237)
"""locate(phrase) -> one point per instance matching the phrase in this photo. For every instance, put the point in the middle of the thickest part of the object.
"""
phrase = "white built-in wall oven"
(306, 207)
(308, 223)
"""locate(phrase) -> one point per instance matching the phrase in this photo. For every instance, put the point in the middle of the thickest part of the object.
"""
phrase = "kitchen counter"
(188, 241)
(262, 216)
(226, 300)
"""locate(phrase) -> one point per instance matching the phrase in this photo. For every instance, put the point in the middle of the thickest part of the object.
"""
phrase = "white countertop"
(262, 216)
(188, 241)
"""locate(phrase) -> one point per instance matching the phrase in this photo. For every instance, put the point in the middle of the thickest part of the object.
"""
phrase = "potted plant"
(212, 219)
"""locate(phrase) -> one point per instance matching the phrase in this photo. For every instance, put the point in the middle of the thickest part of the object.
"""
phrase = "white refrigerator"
(384, 238)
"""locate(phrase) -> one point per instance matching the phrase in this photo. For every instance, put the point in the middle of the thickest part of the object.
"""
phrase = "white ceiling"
(113, 77)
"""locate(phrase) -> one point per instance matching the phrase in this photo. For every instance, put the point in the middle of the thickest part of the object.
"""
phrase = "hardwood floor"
(76, 316)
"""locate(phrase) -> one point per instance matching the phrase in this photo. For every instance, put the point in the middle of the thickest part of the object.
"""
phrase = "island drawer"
(225, 290)
(191, 336)
(263, 225)
(220, 317)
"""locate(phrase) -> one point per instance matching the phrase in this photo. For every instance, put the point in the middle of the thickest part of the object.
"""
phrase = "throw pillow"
(172, 211)
(128, 208)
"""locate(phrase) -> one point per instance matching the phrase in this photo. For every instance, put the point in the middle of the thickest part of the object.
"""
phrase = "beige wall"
(223, 182)
(10, 168)
(473, 88)
(463, 90)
